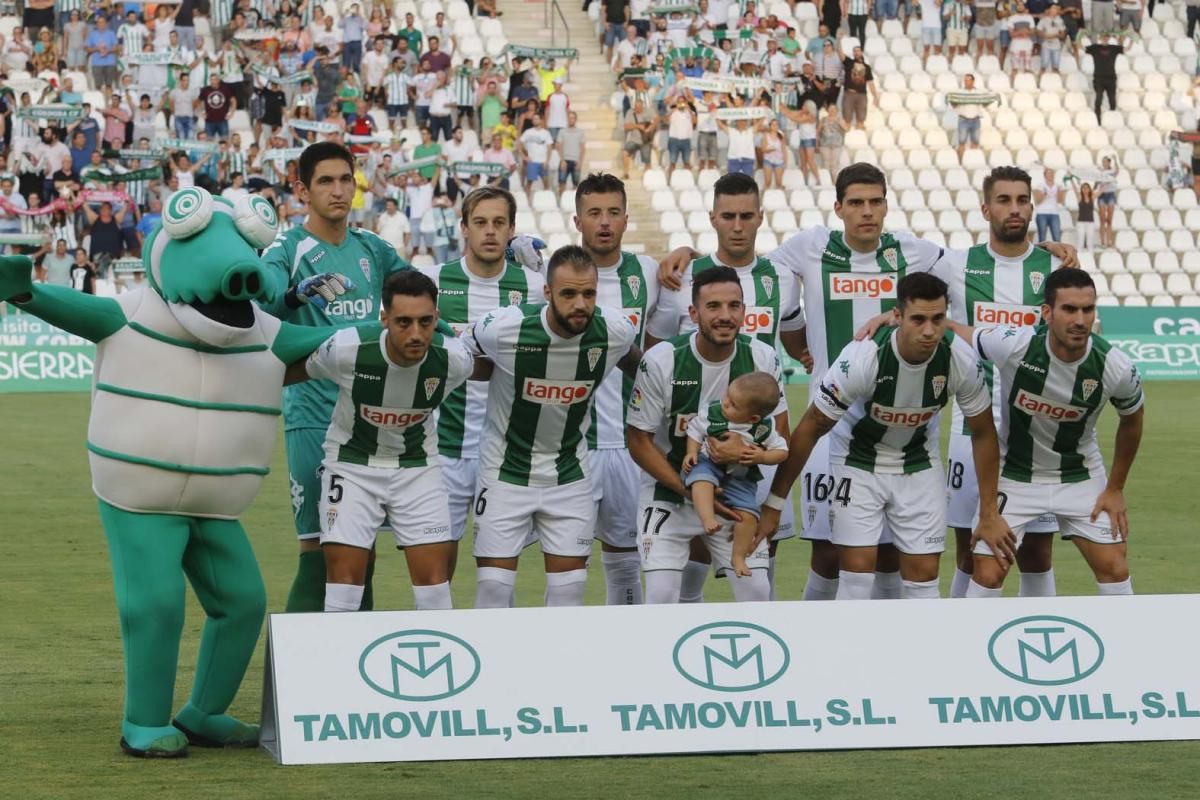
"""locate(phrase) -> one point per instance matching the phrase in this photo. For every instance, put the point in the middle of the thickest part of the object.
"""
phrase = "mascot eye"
(188, 212)
(256, 221)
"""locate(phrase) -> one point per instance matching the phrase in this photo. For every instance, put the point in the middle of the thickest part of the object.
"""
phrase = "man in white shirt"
(393, 227)
(680, 125)
(374, 65)
(625, 50)
(420, 200)
(535, 145)
(1046, 199)
(236, 189)
(740, 155)
(457, 149)
(557, 106)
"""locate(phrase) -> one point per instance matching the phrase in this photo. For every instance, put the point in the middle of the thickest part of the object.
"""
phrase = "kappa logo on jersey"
(431, 385)
(365, 266)
(312, 260)
(1089, 387)
(862, 287)
(593, 357)
(844, 366)
(1035, 281)
(891, 257)
(1011, 316)
(1033, 368)
(939, 383)
(555, 393)
(635, 285)
(358, 309)
(384, 417)
(515, 297)
(1040, 406)
(635, 317)
(903, 417)
(768, 284)
(681, 425)
(758, 319)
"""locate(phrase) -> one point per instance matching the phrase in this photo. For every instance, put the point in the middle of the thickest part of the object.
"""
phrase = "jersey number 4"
(818, 488)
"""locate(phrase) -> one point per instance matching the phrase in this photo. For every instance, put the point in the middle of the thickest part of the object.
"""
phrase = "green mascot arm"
(93, 318)
(296, 342)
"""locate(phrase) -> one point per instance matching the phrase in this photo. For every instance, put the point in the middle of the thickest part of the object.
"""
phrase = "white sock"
(771, 576)
(958, 586)
(565, 588)
(433, 597)
(819, 587)
(855, 585)
(623, 578)
(1111, 589)
(495, 587)
(920, 590)
(975, 590)
(886, 586)
(1037, 584)
(662, 586)
(753, 589)
(343, 597)
(691, 589)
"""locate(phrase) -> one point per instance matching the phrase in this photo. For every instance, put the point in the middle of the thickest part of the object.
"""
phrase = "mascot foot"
(215, 730)
(143, 742)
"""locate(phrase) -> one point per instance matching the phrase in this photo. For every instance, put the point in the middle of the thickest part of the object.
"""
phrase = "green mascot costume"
(184, 418)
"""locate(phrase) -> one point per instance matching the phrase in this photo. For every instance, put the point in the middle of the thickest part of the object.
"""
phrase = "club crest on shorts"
(812, 515)
(431, 385)
(514, 298)
(891, 258)
(593, 357)
(635, 285)
(768, 284)
(1088, 386)
(365, 265)
(939, 383)
(330, 517)
(1035, 280)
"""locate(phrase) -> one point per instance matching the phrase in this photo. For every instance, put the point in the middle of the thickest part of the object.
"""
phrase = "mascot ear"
(187, 212)
(255, 219)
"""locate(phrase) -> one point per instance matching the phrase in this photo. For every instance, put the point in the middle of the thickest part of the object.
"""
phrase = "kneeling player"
(882, 399)
(1056, 380)
(749, 400)
(381, 449)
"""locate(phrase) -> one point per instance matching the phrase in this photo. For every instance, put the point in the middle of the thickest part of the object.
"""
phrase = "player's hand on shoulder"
(1066, 254)
(871, 326)
(319, 290)
(670, 269)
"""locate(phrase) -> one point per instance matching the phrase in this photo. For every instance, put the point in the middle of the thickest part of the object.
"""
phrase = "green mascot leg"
(224, 574)
(308, 587)
(146, 551)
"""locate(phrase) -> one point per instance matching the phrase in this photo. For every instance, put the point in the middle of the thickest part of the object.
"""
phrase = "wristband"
(775, 502)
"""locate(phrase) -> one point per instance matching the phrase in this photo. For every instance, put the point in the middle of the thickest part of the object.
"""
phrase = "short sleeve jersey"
(1048, 430)
(711, 421)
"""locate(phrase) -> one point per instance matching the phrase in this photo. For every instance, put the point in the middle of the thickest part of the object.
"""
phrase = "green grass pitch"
(61, 675)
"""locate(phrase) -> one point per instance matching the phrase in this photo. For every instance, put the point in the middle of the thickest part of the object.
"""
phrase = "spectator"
(410, 32)
(774, 153)
(968, 103)
(1052, 31)
(558, 106)
(74, 40)
(440, 107)
(115, 117)
(816, 45)
(957, 16)
(829, 69)
(616, 16)
(428, 148)
(805, 118)
(740, 155)
(535, 151)
(1104, 69)
(1130, 14)
(219, 104)
(434, 57)
(1046, 201)
(859, 80)
(1071, 13)
(10, 222)
(1103, 17)
(441, 223)
(1193, 18)
(374, 67)
(986, 26)
(640, 125)
(623, 53)
(681, 124)
(570, 147)
(456, 149)
(106, 234)
(831, 15)
(831, 137)
(101, 45)
(931, 29)
(1086, 226)
(56, 265)
(83, 273)
(353, 28)
(1021, 29)
(396, 84)
(856, 13)
(508, 132)
(1106, 200)
(706, 133)
(393, 227)
(425, 81)
(420, 199)
(150, 219)
(497, 153)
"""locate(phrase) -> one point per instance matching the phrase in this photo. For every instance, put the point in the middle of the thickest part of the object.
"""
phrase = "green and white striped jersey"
(888, 410)
(711, 421)
(385, 415)
(770, 294)
(1048, 430)
(463, 298)
(132, 38)
(295, 255)
(842, 288)
(632, 286)
(674, 382)
(987, 289)
(541, 392)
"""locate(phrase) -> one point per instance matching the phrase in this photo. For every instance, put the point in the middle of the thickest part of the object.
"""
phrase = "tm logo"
(1046, 651)
(731, 656)
(419, 665)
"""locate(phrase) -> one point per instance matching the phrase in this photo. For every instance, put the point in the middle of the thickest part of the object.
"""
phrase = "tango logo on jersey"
(994, 314)
(431, 385)
(419, 665)
(555, 393)
(891, 257)
(731, 656)
(861, 287)
(903, 417)
(768, 284)
(758, 319)
(939, 383)
(358, 309)
(515, 297)
(1045, 650)
(635, 317)
(365, 266)
(1039, 406)
(1089, 387)
(1035, 281)
(383, 417)
(635, 285)
(593, 357)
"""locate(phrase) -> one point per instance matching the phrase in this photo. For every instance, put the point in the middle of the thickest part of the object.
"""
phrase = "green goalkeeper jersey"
(295, 255)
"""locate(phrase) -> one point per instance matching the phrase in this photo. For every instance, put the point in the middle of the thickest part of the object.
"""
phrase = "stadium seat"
(1178, 284)
(1123, 285)
(551, 222)
(544, 200)
(698, 222)
(707, 242)
(682, 179)
(679, 239)
(654, 179)
(691, 200)
(663, 200)
(672, 222)
(774, 200)
(784, 222)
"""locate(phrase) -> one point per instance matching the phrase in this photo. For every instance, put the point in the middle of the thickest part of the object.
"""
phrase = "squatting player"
(1056, 380)
(533, 462)
(381, 451)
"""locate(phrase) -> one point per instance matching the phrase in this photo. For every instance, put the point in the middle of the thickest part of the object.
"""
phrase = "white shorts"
(963, 489)
(459, 476)
(667, 530)
(787, 518)
(616, 481)
(912, 506)
(356, 501)
(1072, 503)
(509, 517)
(817, 489)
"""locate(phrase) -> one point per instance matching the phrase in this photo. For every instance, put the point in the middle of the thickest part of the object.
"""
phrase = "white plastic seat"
(939, 200)
(1162, 301)
(682, 179)
(1151, 285)
(672, 222)
(1123, 286)
(773, 200)
(698, 222)
(654, 179)
(690, 200)
(1138, 262)
(784, 221)
(707, 242)
(663, 200)
(1157, 198)
(765, 242)
(1154, 241)
(551, 222)
(544, 200)
(679, 239)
